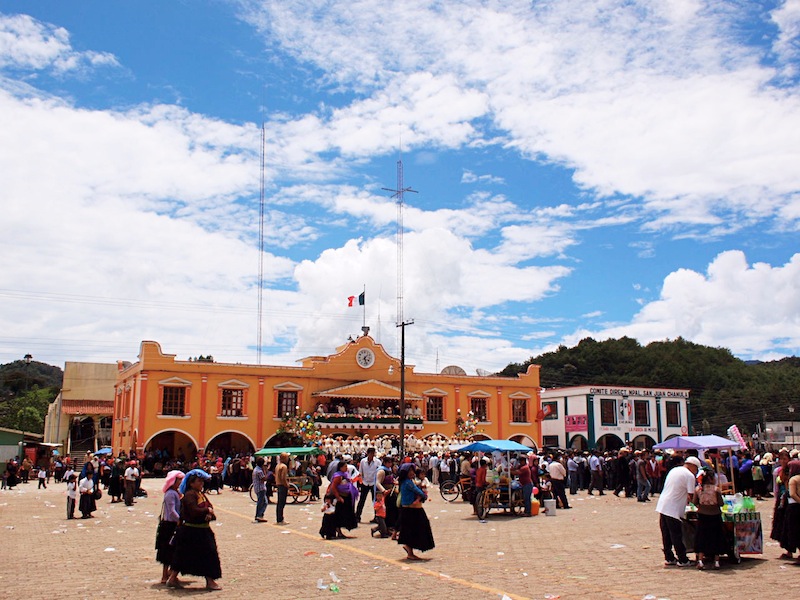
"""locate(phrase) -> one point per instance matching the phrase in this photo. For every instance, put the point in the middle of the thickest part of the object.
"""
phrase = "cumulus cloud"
(655, 100)
(148, 214)
(28, 44)
(746, 308)
(470, 177)
(787, 17)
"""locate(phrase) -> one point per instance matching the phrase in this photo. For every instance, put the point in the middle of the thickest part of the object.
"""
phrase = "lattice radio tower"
(398, 195)
(401, 324)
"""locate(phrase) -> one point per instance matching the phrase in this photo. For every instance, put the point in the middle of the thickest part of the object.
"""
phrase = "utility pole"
(402, 327)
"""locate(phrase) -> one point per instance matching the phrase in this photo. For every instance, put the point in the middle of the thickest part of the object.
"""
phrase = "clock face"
(365, 358)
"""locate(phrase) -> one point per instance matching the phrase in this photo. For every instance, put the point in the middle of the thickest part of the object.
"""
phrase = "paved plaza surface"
(603, 548)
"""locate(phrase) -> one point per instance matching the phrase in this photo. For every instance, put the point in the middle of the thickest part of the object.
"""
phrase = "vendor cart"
(505, 494)
(500, 496)
(743, 534)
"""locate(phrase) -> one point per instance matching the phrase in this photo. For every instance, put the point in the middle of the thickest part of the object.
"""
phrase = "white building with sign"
(609, 417)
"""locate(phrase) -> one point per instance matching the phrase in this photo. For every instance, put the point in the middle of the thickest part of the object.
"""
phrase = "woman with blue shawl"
(195, 544)
(343, 494)
(414, 526)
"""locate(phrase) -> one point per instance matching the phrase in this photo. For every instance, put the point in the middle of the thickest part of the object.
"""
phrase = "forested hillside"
(724, 389)
(25, 392)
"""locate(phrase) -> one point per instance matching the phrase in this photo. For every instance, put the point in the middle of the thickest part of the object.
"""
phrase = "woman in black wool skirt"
(195, 544)
(343, 495)
(168, 523)
(415, 529)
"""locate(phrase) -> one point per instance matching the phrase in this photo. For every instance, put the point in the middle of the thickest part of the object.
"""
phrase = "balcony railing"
(361, 422)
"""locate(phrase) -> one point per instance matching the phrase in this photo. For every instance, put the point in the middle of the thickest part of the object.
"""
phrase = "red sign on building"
(576, 423)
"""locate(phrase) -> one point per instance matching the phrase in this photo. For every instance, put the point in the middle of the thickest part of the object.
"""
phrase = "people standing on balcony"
(368, 467)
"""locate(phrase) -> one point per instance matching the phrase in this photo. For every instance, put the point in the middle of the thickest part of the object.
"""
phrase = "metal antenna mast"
(398, 194)
(261, 243)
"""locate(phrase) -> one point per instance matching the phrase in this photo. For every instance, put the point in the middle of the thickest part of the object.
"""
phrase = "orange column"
(260, 422)
(203, 401)
(457, 396)
(500, 413)
(142, 407)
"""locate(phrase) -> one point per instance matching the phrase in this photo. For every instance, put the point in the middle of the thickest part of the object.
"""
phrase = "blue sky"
(582, 169)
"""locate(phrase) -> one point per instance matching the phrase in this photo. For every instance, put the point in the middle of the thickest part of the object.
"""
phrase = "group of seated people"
(367, 411)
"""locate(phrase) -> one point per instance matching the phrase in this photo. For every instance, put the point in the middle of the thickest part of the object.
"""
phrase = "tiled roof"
(87, 407)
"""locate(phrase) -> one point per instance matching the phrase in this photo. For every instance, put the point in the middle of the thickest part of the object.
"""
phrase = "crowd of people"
(398, 487)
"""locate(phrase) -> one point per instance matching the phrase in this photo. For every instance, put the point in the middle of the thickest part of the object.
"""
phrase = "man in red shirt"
(480, 483)
(525, 480)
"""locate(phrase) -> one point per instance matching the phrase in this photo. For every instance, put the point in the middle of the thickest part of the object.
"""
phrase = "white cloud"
(470, 177)
(751, 309)
(654, 100)
(28, 44)
(787, 17)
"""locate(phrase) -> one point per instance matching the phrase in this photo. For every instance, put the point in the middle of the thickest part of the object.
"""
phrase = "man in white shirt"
(368, 467)
(678, 489)
(131, 475)
(558, 477)
(433, 463)
(596, 473)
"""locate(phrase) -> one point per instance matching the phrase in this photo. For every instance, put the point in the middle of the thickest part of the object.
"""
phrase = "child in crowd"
(545, 487)
(709, 540)
(380, 515)
(5, 480)
(72, 495)
(42, 478)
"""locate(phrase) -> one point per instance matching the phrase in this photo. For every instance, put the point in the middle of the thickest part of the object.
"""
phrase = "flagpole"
(364, 307)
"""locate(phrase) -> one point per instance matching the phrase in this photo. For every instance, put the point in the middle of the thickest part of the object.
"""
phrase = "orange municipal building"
(188, 406)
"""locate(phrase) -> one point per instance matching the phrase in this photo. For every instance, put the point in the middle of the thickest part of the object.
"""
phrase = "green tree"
(29, 419)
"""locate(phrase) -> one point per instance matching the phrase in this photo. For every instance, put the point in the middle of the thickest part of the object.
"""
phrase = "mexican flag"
(351, 299)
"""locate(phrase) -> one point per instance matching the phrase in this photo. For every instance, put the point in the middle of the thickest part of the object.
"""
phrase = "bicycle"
(450, 490)
(299, 490)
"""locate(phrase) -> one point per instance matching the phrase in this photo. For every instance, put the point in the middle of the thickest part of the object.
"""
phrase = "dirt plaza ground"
(603, 548)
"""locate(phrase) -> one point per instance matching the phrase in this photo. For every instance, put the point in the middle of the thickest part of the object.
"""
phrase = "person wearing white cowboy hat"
(679, 487)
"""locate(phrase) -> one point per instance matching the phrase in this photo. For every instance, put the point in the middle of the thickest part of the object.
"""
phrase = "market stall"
(742, 523)
(502, 494)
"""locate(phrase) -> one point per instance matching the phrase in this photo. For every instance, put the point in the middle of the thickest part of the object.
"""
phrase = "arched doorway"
(230, 443)
(479, 437)
(525, 440)
(610, 441)
(579, 442)
(172, 444)
(81, 434)
(642, 442)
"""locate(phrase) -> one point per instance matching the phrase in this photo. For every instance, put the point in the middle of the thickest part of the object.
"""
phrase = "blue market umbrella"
(103, 451)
